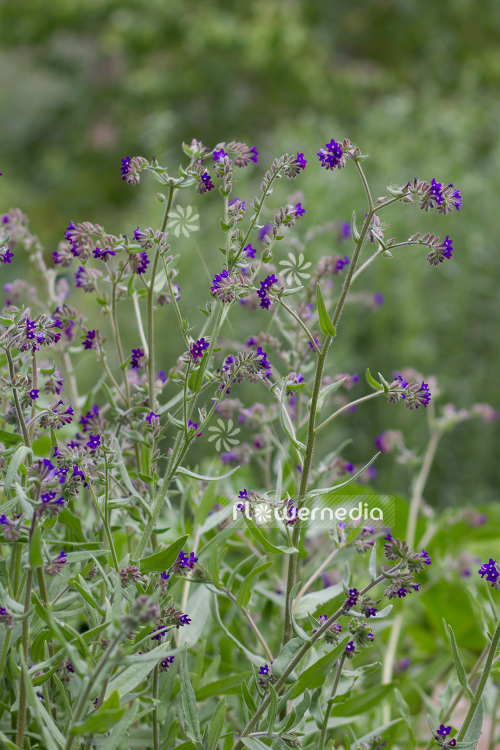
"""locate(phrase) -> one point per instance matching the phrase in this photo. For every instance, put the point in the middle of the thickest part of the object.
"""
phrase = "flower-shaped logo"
(184, 220)
(293, 269)
(224, 435)
(262, 513)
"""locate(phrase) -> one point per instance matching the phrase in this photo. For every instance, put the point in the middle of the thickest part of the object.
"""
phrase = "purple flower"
(139, 262)
(444, 731)
(161, 376)
(34, 394)
(350, 647)
(447, 247)
(341, 263)
(299, 211)
(153, 418)
(194, 426)
(103, 254)
(255, 154)
(346, 230)
(165, 575)
(426, 557)
(137, 233)
(352, 598)
(217, 280)
(243, 494)
(331, 156)
(137, 355)
(90, 340)
(436, 191)
(6, 256)
(187, 561)
(249, 251)
(227, 458)
(378, 298)
(490, 570)
(125, 167)
(301, 161)
(264, 669)
(218, 155)
(94, 442)
(457, 199)
(184, 619)
(207, 182)
(198, 348)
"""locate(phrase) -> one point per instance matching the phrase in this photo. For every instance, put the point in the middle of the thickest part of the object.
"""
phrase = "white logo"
(224, 435)
(183, 220)
(293, 269)
(263, 513)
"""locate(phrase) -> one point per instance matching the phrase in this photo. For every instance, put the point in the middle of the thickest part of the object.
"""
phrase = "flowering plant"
(115, 546)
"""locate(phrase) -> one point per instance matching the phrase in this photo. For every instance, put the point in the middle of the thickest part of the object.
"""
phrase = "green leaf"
(203, 477)
(216, 725)
(404, 710)
(253, 658)
(315, 675)
(189, 707)
(103, 719)
(362, 702)
(325, 323)
(285, 656)
(15, 463)
(71, 522)
(126, 681)
(160, 561)
(324, 392)
(272, 712)
(195, 380)
(225, 686)
(248, 698)
(259, 537)
(371, 381)
(246, 586)
(253, 743)
(83, 589)
(10, 438)
(372, 564)
(462, 677)
(117, 733)
(36, 548)
(310, 602)
(473, 733)
(354, 229)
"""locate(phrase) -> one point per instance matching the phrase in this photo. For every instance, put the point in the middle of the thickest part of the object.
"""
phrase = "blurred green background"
(413, 82)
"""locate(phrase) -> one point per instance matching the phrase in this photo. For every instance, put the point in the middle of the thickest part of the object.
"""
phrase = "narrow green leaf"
(462, 676)
(324, 392)
(246, 586)
(189, 707)
(473, 733)
(9, 438)
(325, 323)
(371, 381)
(315, 675)
(363, 702)
(285, 656)
(372, 565)
(203, 477)
(259, 537)
(36, 548)
(253, 658)
(253, 743)
(160, 561)
(404, 710)
(248, 698)
(15, 463)
(103, 719)
(216, 725)
(272, 712)
(225, 686)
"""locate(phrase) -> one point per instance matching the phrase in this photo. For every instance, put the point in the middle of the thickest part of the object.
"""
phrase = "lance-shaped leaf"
(325, 323)
(315, 675)
(162, 560)
(189, 707)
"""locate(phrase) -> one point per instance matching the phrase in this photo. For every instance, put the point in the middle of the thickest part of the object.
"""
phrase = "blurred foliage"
(414, 83)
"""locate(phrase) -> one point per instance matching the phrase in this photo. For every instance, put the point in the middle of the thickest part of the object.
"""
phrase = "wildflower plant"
(115, 547)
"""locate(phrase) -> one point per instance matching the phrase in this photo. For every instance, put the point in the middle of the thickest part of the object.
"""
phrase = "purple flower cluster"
(341, 263)
(265, 286)
(331, 155)
(90, 340)
(217, 280)
(187, 561)
(137, 355)
(125, 167)
(492, 572)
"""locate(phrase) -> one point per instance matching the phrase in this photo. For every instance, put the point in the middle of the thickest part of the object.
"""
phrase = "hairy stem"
(328, 709)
